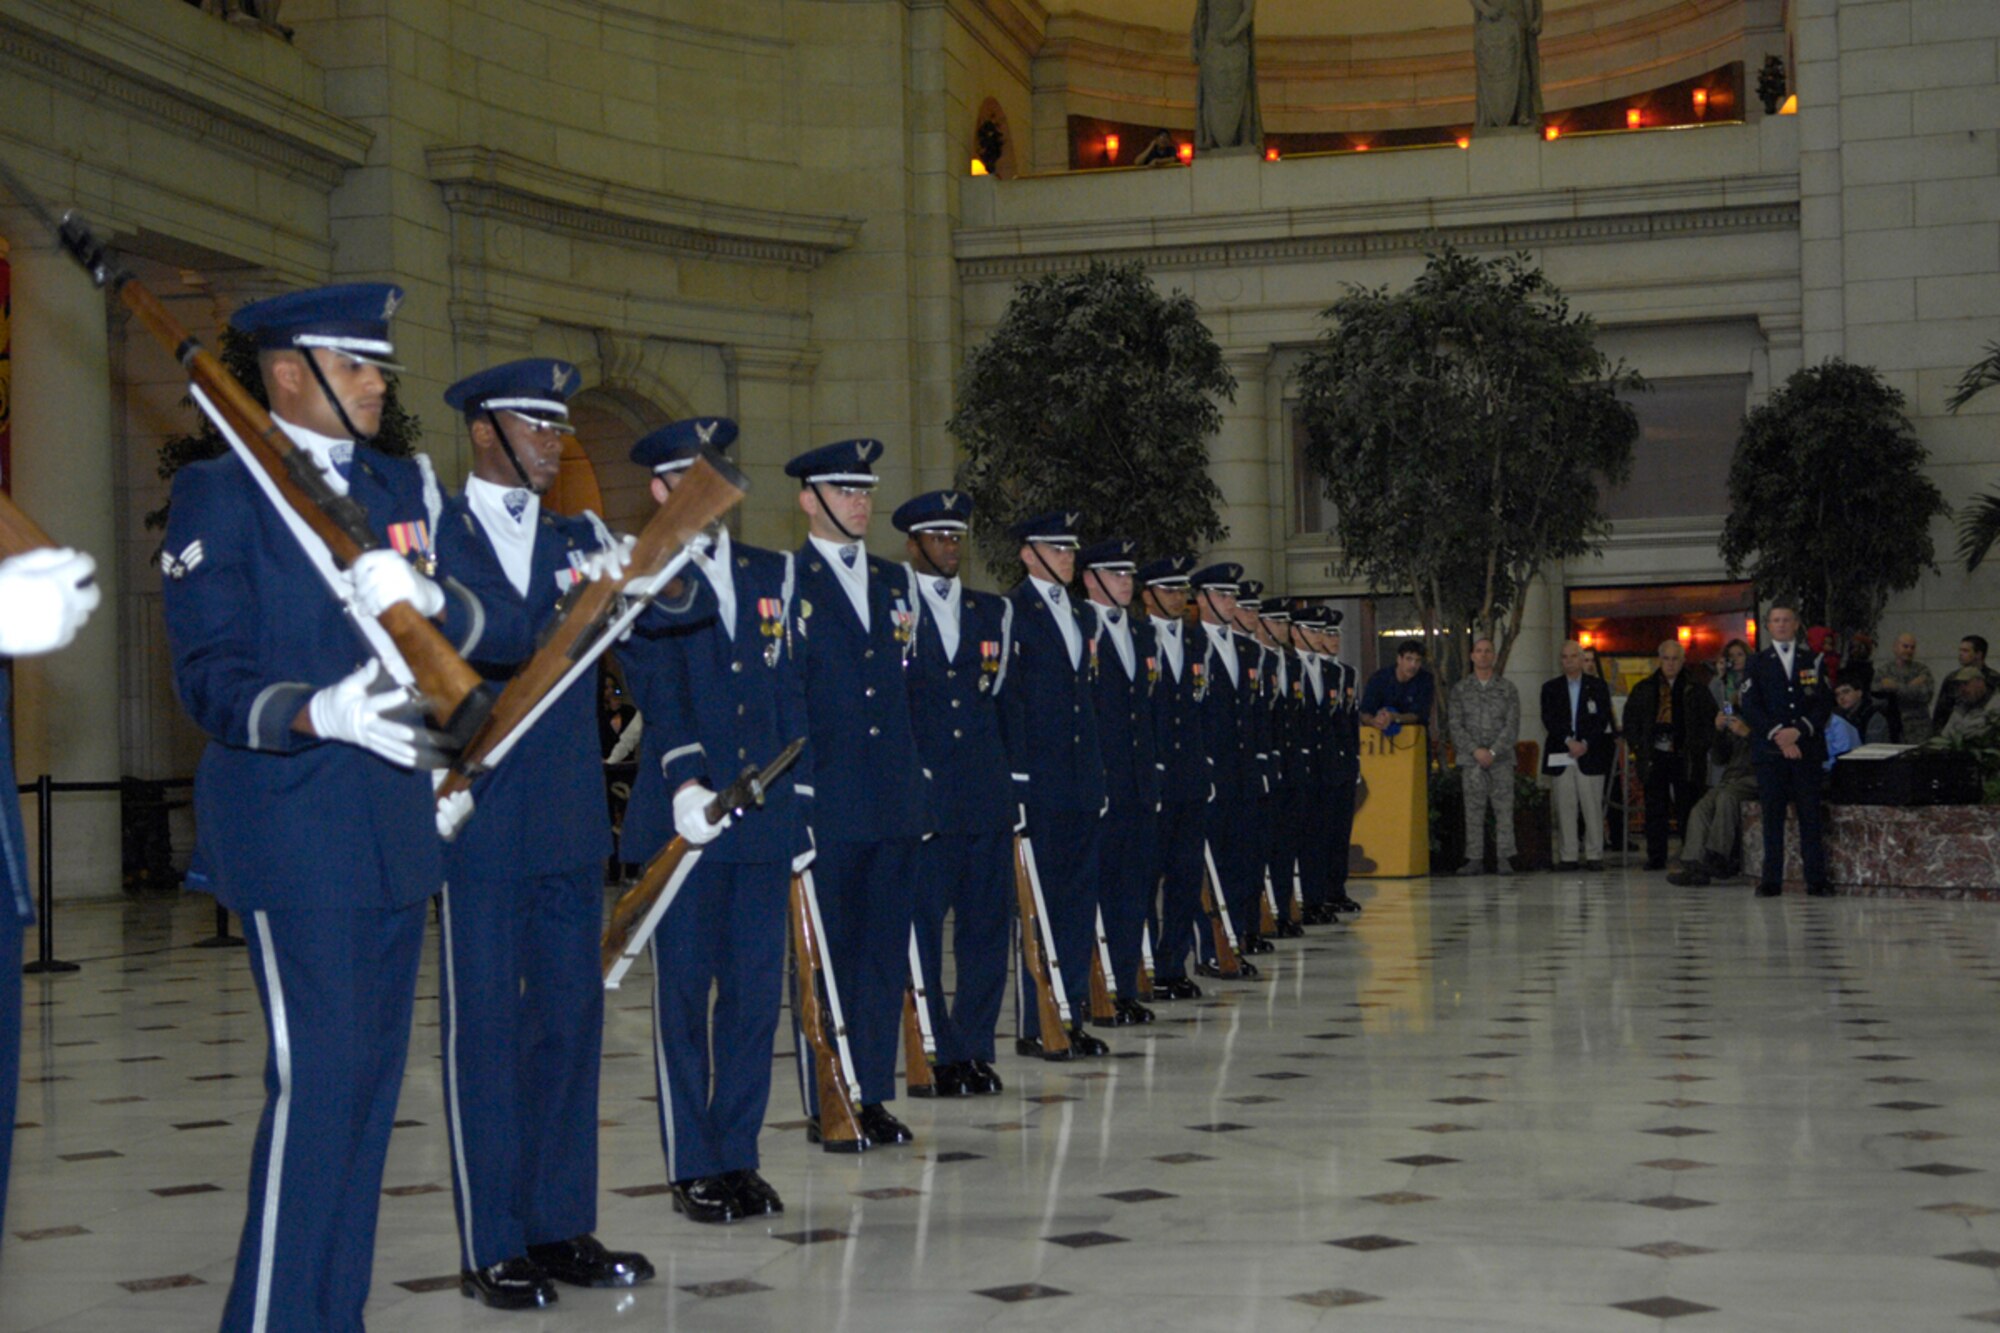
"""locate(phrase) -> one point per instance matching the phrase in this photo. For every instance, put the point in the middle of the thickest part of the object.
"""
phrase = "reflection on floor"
(1549, 1103)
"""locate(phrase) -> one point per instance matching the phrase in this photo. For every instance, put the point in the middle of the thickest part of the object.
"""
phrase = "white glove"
(368, 710)
(383, 578)
(1021, 820)
(45, 596)
(608, 562)
(452, 812)
(691, 815)
(805, 858)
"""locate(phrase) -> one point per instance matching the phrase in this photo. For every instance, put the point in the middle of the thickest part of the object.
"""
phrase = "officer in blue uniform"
(521, 998)
(956, 676)
(720, 690)
(45, 598)
(1050, 723)
(1786, 705)
(316, 822)
(1183, 767)
(1291, 760)
(1224, 688)
(1260, 670)
(1317, 701)
(1343, 766)
(856, 631)
(1127, 671)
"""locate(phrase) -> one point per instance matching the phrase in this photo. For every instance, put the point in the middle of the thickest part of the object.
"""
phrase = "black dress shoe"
(1135, 1012)
(511, 1284)
(1258, 944)
(1118, 1019)
(813, 1135)
(582, 1261)
(1594, 867)
(1819, 890)
(1290, 930)
(1689, 877)
(1656, 863)
(755, 1193)
(1206, 969)
(980, 1080)
(1340, 902)
(947, 1080)
(881, 1127)
(708, 1199)
(1567, 866)
(1082, 1043)
(1186, 989)
(1769, 890)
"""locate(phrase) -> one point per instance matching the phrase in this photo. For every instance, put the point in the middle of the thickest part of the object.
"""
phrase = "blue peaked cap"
(351, 318)
(1223, 577)
(844, 463)
(1167, 572)
(674, 446)
(537, 388)
(933, 511)
(1119, 555)
(1057, 529)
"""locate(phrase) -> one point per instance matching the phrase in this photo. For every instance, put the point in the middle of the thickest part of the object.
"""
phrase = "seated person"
(1712, 843)
(1973, 711)
(1852, 700)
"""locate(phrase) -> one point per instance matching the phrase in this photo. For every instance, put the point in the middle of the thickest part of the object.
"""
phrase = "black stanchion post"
(221, 939)
(46, 960)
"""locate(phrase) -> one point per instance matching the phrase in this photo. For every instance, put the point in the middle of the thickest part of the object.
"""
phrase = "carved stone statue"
(1506, 53)
(1225, 57)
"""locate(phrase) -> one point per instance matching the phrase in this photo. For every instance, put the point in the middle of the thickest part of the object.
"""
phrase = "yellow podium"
(1392, 814)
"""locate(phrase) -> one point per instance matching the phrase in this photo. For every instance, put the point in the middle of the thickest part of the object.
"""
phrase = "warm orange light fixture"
(1700, 103)
(1750, 628)
(1186, 152)
(1361, 148)
(1790, 107)
(1551, 133)
(1584, 639)
(1271, 153)
(1686, 634)
(1110, 148)
(978, 167)
(1632, 118)
(1465, 141)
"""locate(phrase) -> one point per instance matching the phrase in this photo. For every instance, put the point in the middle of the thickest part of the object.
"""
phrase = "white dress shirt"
(1058, 602)
(944, 608)
(1312, 668)
(513, 538)
(721, 575)
(1172, 646)
(1118, 624)
(325, 449)
(1223, 640)
(854, 582)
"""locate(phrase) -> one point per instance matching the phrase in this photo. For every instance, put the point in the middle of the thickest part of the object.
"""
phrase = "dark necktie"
(1113, 616)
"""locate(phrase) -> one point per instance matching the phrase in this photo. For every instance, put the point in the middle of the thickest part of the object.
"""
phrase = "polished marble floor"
(1555, 1102)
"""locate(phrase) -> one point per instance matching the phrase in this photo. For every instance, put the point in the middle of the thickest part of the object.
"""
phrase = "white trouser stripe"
(281, 1116)
(451, 1075)
(660, 1063)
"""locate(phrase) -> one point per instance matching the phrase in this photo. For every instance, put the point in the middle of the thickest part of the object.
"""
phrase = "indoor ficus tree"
(1095, 393)
(1828, 499)
(1463, 428)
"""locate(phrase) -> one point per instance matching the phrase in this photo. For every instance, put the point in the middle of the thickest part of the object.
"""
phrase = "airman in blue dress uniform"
(1786, 703)
(1225, 688)
(1260, 670)
(1051, 728)
(720, 689)
(1292, 760)
(45, 598)
(1343, 765)
(956, 677)
(1184, 773)
(315, 821)
(521, 999)
(856, 630)
(1128, 667)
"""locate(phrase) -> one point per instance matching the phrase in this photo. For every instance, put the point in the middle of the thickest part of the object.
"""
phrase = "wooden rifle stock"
(19, 534)
(1226, 961)
(1055, 1037)
(917, 1074)
(838, 1121)
(706, 492)
(451, 689)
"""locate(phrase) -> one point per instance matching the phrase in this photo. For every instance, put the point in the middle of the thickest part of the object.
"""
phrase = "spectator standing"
(1971, 662)
(1576, 715)
(1669, 721)
(1484, 721)
(1907, 685)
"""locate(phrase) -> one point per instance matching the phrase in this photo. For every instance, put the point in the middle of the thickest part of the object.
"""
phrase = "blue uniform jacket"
(1047, 714)
(1772, 699)
(289, 821)
(13, 840)
(1261, 667)
(1223, 733)
(714, 705)
(1343, 752)
(542, 811)
(1181, 761)
(956, 702)
(1124, 716)
(870, 780)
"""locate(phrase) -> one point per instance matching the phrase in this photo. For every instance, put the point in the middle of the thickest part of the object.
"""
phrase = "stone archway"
(608, 422)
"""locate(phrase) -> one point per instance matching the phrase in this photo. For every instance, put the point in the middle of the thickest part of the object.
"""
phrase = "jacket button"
(954, 703)
(742, 754)
(736, 667)
(739, 710)
(951, 673)
(867, 653)
(869, 692)
(874, 731)
(956, 734)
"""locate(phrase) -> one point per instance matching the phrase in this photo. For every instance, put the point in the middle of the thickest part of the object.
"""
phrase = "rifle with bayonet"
(1038, 952)
(453, 691)
(639, 910)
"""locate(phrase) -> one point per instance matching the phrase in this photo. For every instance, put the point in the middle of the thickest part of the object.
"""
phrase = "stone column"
(771, 392)
(1239, 461)
(66, 707)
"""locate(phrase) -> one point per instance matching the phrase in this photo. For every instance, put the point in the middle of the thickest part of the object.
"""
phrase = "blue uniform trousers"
(1246, 909)
(11, 930)
(726, 929)
(1340, 830)
(1128, 872)
(867, 894)
(522, 1003)
(1287, 838)
(1794, 782)
(338, 987)
(1229, 842)
(1067, 846)
(1178, 846)
(1315, 847)
(972, 876)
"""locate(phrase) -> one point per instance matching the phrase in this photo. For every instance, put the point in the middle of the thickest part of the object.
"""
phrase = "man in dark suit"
(1051, 729)
(521, 1000)
(855, 629)
(956, 676)
(1669, 724)
(720, 689)
(1786, 705)
(1577, 753)
(1127, 668)
(317, 823)
(1184, 783)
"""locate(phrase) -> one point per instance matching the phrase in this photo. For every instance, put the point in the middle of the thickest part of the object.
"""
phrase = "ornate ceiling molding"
(490, 183)
(204, 101)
